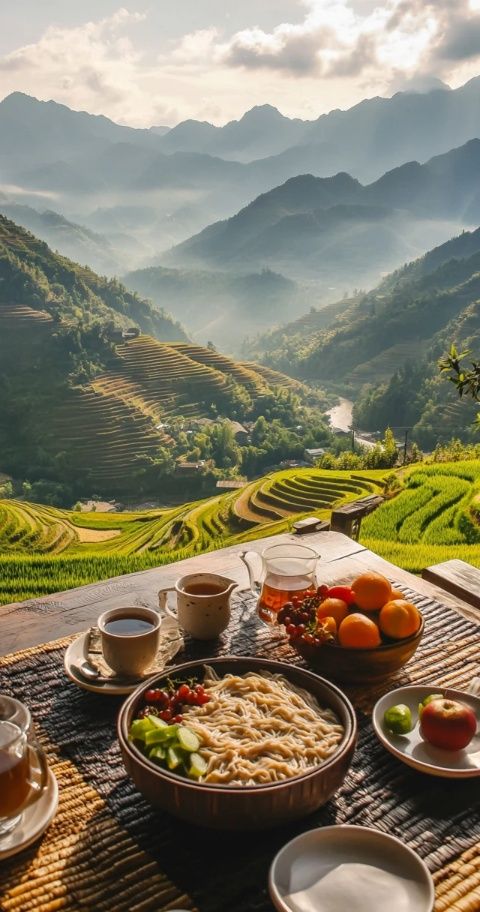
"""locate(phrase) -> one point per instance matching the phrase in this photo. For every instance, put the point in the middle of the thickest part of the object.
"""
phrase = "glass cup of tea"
(23, 774)
(283, 571)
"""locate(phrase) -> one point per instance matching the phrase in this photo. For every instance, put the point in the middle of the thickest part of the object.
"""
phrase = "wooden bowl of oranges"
(354, 633)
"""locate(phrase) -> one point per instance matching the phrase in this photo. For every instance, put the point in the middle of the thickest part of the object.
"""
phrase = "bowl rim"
(384, 647)
(278, 900)
(347, 744)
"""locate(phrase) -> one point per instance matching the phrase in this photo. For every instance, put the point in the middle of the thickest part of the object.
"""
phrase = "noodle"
(260, 728)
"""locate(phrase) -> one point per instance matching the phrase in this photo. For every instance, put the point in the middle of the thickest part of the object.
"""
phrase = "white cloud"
(339, 52)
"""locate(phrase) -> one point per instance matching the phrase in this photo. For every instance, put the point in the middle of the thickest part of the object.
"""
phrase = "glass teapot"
(283, 571)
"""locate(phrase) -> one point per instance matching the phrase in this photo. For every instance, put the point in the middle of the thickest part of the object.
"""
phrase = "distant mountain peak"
(262, 112)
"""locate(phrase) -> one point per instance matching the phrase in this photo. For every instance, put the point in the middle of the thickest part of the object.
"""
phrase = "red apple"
(448, 724)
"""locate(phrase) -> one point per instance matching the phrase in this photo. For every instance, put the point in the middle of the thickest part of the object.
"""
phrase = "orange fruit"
(396, 594)
(399, 619)
(372, 591)
(326, 628)
(334, 608)
(358, 632)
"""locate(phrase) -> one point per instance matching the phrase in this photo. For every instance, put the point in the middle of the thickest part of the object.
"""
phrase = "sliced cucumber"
(187, 739)
(158, 723)
(157, 753)
(140, 727)
(159, 735)
(198, 766)
(174, 758)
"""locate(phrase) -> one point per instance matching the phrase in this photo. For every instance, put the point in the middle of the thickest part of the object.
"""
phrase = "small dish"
(413, 750)
(75, 654)
(35, 820)
(336, 867)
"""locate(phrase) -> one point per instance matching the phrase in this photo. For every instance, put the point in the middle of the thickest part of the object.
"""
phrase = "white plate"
(35, 820)
(75, 654)
(416, 752)
(338, 859)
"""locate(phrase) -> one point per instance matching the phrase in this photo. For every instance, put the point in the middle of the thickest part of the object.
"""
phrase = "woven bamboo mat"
(108, 851)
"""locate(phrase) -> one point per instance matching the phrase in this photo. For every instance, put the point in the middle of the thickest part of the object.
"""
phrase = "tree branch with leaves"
(465, 378)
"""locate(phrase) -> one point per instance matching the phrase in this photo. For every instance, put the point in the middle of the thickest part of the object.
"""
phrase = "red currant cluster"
(168, 704)
(300, 620)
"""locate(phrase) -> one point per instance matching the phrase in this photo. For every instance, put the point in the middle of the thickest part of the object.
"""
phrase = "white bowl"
(322, 859)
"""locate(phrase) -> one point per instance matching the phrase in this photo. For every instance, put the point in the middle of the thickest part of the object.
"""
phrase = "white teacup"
(203, 604)
(130, 639)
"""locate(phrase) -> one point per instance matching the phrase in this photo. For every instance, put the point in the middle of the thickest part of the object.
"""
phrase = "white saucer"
(321, 860)
(416, 752)
(35, 820)
(75, 654)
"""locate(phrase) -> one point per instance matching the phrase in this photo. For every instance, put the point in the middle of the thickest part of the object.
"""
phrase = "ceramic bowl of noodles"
(237, 742)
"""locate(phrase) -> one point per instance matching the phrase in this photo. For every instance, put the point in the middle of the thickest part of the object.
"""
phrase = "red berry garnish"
(309, 638)
(183, 692)
(166, 715)
(291, 630)
(151, 696)
(177, 719)
(300, 629)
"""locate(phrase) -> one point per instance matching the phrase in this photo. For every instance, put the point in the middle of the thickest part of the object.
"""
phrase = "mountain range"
(339, 231)
(159, 186)
(373, 136)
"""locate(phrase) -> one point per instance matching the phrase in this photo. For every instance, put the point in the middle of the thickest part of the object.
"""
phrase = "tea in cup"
(130, 639)
(203, 604)
(23, 775)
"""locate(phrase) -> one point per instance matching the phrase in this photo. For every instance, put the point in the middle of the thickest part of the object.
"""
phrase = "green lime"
(398, 719)
(426, 701)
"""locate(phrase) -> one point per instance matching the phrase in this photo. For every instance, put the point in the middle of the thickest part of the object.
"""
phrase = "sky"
(157, 62)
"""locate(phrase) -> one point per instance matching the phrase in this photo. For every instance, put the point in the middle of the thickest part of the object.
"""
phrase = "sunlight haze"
(143, 64)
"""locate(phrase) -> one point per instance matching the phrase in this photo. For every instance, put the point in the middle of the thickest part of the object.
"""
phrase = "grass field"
(434, 517)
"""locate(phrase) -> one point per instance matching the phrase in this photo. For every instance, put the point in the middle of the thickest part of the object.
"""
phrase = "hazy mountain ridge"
(71, 240)
(340, 230)
(373, 136)
(193, 174)
(383, 347)
(221, 306)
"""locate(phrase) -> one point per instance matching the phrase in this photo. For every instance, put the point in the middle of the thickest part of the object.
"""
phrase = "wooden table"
(36, 621)
(138, 859)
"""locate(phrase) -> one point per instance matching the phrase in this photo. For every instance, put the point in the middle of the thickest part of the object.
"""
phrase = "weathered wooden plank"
(458, 578)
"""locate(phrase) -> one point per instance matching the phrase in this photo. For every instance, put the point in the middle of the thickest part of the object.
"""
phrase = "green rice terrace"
(435, 516)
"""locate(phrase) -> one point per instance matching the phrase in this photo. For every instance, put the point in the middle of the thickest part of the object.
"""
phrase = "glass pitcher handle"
(248, 557)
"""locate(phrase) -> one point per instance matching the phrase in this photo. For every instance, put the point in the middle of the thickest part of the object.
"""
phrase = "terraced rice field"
(435, 518)
(106, 424)
(43, 549)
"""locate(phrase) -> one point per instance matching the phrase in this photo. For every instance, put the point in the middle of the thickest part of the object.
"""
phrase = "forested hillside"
(88, 409)
(383, 346)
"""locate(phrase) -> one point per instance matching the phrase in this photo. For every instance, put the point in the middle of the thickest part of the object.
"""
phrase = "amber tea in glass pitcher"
(286, 571)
